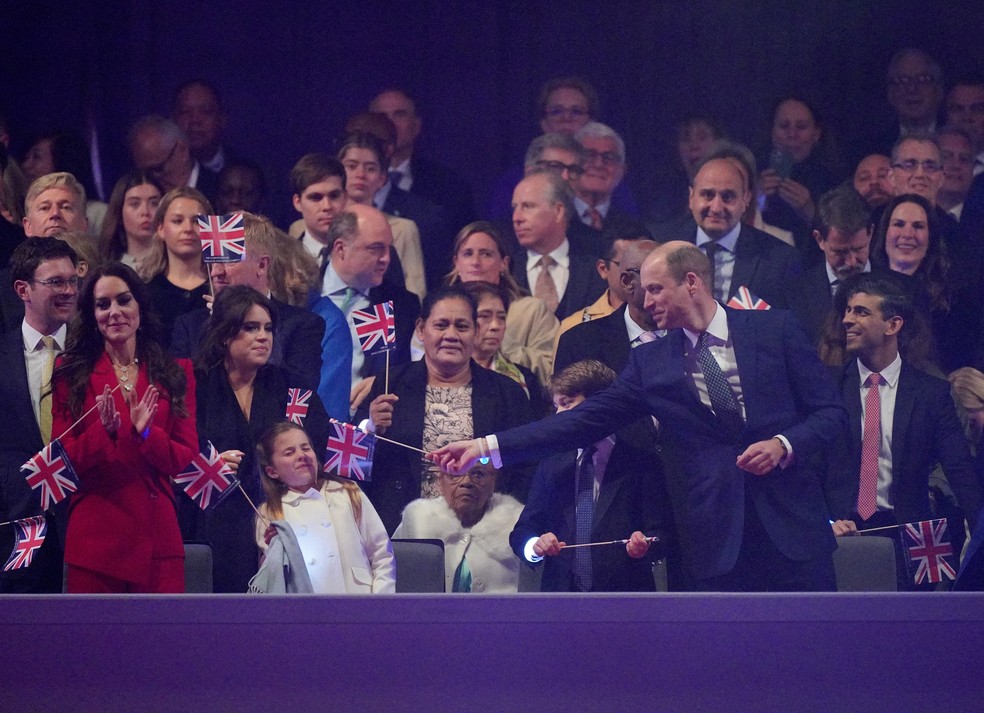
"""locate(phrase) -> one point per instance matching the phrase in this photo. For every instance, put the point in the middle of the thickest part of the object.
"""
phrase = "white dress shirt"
(584, 210)
(723, 262)
(312, 245)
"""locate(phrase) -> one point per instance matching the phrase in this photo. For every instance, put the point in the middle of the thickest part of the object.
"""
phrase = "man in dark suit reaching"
(744, 405)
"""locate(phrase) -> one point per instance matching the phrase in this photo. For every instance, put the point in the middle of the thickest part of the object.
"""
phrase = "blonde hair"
(274, 489)
(58, 179)
(967, 388)
(505, 277)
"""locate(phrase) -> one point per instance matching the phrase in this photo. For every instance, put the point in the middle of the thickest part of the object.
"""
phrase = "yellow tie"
(47, 366)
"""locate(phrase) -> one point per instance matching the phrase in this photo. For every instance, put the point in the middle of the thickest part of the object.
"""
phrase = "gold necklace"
(122, 373)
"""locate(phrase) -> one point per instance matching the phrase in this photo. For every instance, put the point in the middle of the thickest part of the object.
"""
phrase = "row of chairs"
(862, 564)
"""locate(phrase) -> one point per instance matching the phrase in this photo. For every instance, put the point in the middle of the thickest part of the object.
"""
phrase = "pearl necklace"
(123, 373)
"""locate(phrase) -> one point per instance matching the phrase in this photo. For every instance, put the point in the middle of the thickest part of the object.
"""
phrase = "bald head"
(360, 239)
(719, 196)
(630, 269)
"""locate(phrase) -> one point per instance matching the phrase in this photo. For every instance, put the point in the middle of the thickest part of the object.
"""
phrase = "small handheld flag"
(349, 452)
(223, 237)
(297, 405)
(744, 299)
(375, 327)
(51, 471)
(930, 552)
(207, 474)
(29, 534)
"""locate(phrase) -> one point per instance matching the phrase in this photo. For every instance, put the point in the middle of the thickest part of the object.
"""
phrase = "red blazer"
(123, 514)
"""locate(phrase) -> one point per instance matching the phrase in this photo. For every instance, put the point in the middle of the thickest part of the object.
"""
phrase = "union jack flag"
(207, 474)
(52, 471)
(350, 452)
(30, 534)
(929, 550)
(223, 237)
(744, 299)
(297, 405)
(375, 326)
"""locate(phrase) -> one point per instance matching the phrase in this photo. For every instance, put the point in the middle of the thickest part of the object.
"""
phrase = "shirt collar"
(32, 337)
(312, 244)
(718, 327)
(727, 242)
(379, 200)
(832, 276)
(561, 254)
(333, 284)
(633, 329)
(193, 178)
(890, 373)
(581, 207)
(294, 498)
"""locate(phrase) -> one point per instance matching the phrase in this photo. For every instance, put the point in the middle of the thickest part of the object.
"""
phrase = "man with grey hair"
(914, 88)
(55, 204)
(552, 267)
(158, 146)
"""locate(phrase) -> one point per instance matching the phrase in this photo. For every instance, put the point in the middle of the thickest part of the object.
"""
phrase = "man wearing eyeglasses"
(915, 91)
(158, 146)
(45, 279)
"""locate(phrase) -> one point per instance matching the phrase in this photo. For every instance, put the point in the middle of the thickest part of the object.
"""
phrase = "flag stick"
(386, 390)
(13, 522)
(377, 436)
(239, 485)
(79, 419)
(599, 544)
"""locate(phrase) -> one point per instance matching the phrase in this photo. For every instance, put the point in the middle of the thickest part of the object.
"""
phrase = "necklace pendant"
(127, 387)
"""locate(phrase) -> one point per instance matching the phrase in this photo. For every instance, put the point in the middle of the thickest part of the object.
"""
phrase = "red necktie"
(595, 216)
(870, 447)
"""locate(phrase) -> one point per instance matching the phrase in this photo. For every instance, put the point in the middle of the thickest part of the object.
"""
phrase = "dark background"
(290, 73)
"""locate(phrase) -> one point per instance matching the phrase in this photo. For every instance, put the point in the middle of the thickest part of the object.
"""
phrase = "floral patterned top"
(447, 418)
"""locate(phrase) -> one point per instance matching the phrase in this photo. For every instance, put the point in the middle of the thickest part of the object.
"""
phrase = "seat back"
(198, 568)
(419, 565)
(865, 563)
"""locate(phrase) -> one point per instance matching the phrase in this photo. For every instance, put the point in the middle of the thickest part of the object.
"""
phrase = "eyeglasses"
(572, 169)
(912, 164)
(59, 284)
(631, 270)
(476, 475)
(558, 110)
(609, 158)
(158, 168)
(908, 80)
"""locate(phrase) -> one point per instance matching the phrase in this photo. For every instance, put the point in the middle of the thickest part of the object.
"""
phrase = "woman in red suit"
(123, 532)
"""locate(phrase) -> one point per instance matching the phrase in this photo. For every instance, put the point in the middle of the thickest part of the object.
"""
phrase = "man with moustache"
(872, 179)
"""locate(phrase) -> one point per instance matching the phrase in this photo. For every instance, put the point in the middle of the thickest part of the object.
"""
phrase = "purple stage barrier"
(613, 653)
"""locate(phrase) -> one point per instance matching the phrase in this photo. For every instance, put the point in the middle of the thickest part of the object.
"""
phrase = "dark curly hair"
(85, 344)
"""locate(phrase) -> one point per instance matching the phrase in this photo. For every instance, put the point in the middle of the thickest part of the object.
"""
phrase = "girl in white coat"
(343, 541)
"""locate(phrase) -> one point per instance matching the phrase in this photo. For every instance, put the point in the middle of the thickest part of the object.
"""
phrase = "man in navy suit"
(541, 212)
(745, 407)
(740, 254)
(45, 278)
(297, 344)
(916, 419)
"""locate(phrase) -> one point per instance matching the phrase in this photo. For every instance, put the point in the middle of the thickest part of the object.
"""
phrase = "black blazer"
(925, 431)
(436, 233)
(296, 345)
(766, 265)
(406, 311)
(628, 500)
(228, 526)
(445, 188)
(604, 339)
(497, 402)
(20, 439)
(583, 287)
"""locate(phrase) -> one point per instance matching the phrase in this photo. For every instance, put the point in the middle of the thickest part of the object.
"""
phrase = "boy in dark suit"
(607, 491)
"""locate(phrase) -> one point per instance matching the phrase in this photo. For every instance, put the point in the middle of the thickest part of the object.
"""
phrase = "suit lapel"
(851, 395)
(611, 483)
(746, 263)
(746, 355)
(18, 371)
(905, 401)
